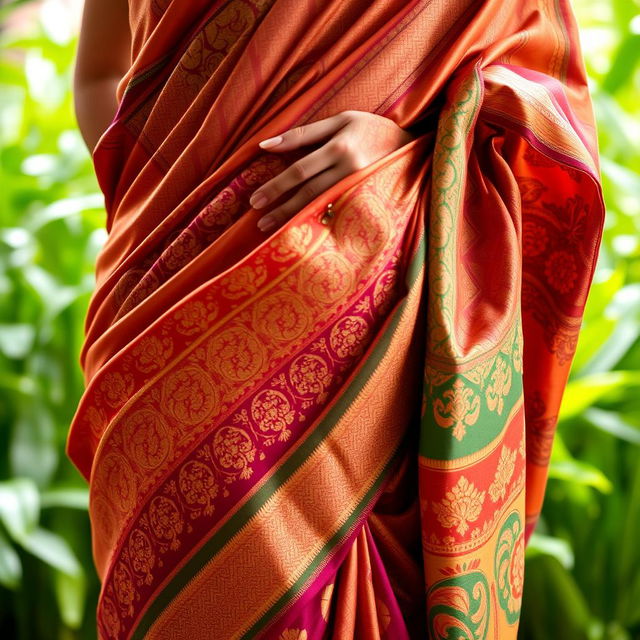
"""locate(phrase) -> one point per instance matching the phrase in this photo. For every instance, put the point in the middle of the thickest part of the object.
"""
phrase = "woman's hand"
(356, 139)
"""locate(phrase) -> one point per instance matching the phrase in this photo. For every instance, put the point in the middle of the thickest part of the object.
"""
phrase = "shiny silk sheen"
(340, 429)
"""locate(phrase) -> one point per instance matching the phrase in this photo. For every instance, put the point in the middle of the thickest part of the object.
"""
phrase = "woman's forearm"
(95, 106)
(103, 58)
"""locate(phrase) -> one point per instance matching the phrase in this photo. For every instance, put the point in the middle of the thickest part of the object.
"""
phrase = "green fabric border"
(255, 503)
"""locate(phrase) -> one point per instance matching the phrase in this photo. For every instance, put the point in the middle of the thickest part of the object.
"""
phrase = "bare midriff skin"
(350, 139)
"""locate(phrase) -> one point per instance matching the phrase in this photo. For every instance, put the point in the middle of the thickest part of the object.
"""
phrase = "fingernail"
(266, 225)
(271, 142)
(256, 201)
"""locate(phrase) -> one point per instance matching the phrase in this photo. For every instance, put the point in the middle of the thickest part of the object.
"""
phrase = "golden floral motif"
(309, 374)
(235, 353)
(517, 574)
(326, 277)
(124, 588)
(125, 285)
(152, 353)
(434, 378)
(244, 281)
(165, 520)
(499, 386)
(503, 474)
(292, 243)
(96, 420)
(262, 169)
(517, 351)
(192, 317)
(116, 388)
(116, 480)
(293, 634)
(478, 375)
(363, 224)
(234, 451)
(272, 412)
(364, 307)
(282, 315)
(383, 290)
(102, 511)
(111, 617)
(348, 336)
(461, 410)
(221, 210)
(462, 504)
(181, 250)
(189, 395)
(325, 601)
(198, 485)
(212, 44)
(142, 555)
(146, 439)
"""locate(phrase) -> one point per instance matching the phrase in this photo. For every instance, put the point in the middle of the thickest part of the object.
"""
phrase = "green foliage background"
(583, 563)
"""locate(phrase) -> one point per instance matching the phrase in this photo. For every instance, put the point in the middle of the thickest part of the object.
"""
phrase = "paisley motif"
(190, 396)
(235, 354)
(459, 608)
(509, 567)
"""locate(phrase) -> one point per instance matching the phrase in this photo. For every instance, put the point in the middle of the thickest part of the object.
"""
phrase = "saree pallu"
(340, 429)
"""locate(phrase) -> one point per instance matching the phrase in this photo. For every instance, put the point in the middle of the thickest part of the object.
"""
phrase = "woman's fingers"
(356, 139)
(297, 173)
(307, 133)
(307, 192)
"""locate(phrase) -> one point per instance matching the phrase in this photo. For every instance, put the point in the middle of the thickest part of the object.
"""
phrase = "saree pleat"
(340, 429)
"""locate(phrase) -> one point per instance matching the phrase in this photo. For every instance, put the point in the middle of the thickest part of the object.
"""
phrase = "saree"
(340, 429)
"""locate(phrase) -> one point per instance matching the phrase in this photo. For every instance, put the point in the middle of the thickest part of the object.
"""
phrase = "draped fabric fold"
(340, 429)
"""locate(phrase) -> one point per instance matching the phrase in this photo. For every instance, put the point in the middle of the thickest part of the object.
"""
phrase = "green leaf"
(19, 506)
(52, 549)
(556, 547)
(584, 392)
(629, 552)
(581, 473)
(624, 63)
(552, 601)
(18, 384)
(74, 498)
(65, 208)
(71, 593)
(10, 565)
(16, 340)
(624, 335)
(611, 422)
(33, 451)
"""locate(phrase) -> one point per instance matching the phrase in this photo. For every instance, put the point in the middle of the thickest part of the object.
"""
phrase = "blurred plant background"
(583, 563)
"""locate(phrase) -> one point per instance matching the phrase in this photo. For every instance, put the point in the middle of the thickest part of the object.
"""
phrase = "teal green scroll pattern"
(459, 607)
(509, 566)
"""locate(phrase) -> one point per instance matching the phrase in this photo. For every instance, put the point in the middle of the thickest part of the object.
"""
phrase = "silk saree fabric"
(340, 429)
